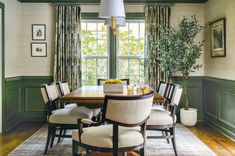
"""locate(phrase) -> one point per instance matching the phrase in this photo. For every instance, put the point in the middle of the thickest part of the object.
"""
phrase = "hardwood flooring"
(10, 140)
(215, 140)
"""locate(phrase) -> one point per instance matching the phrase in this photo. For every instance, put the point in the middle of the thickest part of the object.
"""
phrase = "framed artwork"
(39, 32)
(39, 49)
(218, 38)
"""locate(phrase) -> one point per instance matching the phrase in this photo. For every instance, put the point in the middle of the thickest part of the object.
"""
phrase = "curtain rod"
(143, 4)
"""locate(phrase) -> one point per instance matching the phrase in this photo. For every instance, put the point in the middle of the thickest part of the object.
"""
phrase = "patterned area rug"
(187, 144)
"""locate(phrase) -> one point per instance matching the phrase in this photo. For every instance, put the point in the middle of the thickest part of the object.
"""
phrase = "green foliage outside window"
(94, 43)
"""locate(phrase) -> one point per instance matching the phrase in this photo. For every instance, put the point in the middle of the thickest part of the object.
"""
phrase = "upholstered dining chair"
(60, 118)
(64, 90)
(165, 120)
(102, 81)
(125, 131)
(162, 88)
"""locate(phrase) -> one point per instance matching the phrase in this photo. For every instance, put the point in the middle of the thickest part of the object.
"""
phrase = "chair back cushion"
(65, 87)
(177, 95)
(128, 110)
(162, 88)
(44, 94)
(49, 92)
(101, 81)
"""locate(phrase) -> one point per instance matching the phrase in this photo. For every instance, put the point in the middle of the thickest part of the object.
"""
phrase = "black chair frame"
(115, 148)
(52, 127)
(170, 128)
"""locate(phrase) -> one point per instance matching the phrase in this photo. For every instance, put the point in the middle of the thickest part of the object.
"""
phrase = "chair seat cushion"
(159, 117)
(158, 107)
(70, 116)
(74, 105)
(71, 105)
(101, 136)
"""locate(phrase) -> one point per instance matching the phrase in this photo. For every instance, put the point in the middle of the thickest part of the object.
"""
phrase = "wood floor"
(219, 143)
(12, 139)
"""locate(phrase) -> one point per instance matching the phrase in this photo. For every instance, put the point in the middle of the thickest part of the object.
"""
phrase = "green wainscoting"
(214, 99)
(219, 104)
(24, 100)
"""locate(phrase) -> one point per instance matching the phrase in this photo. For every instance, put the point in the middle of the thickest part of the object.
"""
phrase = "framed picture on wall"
(39, 32)
(218, 38)
(39, 49)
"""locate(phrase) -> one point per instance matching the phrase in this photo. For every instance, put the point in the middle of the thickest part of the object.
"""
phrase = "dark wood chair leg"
(124, 154)
(115, 152)
(48, 139)
(64, 132)
(61, 130)
(74, 149)
(53, 131)
(142, 151)
(168, 141)
(172, 132)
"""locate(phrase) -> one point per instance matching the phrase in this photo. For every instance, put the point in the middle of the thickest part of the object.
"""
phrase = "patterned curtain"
(67, 65)
(154, 16)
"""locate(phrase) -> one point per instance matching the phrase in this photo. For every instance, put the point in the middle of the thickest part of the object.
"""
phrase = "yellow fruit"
(113, 81)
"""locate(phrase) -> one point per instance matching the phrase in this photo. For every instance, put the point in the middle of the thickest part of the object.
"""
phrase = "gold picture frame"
(218, 38)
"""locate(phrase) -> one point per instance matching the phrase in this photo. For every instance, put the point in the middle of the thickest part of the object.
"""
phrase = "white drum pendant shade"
(111, 8)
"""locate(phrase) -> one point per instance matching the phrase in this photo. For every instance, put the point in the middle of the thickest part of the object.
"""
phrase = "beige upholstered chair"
(127, 118)
(102, 81)
(64, 90)
(165, 120)
(62, 119)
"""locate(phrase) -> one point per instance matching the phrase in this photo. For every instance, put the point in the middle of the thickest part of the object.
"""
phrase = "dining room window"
(95, 55)
(130, 51)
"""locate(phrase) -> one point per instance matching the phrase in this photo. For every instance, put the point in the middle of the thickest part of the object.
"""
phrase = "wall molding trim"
(125, 1)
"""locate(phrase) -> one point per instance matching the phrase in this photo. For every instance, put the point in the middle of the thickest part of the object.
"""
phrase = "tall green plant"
(177, 49)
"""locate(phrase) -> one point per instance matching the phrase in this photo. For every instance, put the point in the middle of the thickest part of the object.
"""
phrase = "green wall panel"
(12, 101)
(24, 101)
(210, 96)
(32, 105)
(227, 107)
(219, 97)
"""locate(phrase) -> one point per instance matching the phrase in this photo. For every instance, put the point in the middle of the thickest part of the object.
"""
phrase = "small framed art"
(39, 32)
(39, 49)
(218, 38)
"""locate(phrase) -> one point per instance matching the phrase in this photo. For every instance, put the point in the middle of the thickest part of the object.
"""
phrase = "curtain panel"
(154, 16)
(67, 65)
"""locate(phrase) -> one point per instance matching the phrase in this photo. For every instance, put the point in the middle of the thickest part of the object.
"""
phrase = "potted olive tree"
(178, 51)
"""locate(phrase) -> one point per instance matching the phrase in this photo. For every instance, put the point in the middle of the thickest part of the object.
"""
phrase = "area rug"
(187, 145)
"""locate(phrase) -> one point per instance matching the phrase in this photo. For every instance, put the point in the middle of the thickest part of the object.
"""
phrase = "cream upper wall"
(13, 37)
(18, 58)
(37, 14)
(222, 67)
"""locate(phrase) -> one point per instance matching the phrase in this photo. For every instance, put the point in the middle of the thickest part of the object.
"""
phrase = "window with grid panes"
(130, 51)
(94, 51)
